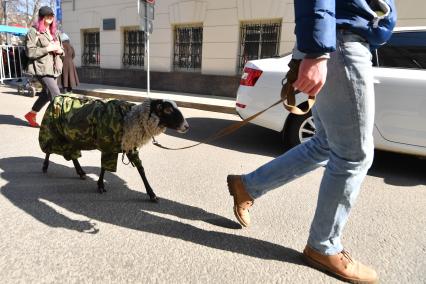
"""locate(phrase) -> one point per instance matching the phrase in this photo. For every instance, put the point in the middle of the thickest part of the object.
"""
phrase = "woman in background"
(44, 51)
(69, 78)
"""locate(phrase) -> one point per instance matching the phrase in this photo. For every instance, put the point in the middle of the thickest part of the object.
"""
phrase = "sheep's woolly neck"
(140, 125)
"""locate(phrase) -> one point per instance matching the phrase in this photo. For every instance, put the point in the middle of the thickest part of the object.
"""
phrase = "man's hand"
(312, 76)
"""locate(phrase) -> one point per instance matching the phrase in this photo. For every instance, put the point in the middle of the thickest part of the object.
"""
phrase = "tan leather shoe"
(242, 200)
(341, 265)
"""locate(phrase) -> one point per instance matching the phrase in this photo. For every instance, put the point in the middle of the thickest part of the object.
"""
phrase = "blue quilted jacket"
(372, 19)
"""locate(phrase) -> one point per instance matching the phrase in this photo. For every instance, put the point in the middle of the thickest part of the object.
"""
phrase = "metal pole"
(139, 7)
(148, 87)
(8, 62)
(148, 69)
(20, 61)
(2, 73)
(14, 61)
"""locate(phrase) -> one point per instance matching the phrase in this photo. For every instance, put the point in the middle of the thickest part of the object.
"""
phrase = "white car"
(400, 87)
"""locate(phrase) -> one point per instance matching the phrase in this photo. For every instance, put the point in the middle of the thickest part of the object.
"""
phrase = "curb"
(180, 103)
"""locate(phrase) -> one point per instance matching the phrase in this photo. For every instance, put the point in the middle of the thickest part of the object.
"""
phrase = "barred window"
(91, 48)
(134, 48)
(188, 46)
(258, 41)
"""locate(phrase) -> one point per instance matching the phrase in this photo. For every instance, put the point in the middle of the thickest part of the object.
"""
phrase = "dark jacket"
(321, 18)
(41, 62)
(69, 77)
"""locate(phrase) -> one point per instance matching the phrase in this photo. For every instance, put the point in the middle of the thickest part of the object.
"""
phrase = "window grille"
(91, 47)
(188, 48)
(258, 41)
(134, 48)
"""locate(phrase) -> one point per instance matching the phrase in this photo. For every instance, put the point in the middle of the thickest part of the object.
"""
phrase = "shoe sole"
(240, 220)
(231, 192)
(315, 264)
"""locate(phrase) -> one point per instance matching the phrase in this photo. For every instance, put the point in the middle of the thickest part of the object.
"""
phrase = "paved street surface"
(55, 228)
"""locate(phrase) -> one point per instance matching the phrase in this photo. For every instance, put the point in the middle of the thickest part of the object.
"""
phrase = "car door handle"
(376, 81)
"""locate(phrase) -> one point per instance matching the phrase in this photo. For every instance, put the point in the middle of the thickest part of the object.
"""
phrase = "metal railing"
(11, 62)
(258, 41)
(188, 49)
(134, 48)
(91, 49)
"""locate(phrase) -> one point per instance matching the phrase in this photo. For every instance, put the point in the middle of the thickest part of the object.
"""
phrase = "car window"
(403, 50)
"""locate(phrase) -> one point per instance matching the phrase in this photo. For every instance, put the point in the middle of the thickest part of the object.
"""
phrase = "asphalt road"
(55, 228)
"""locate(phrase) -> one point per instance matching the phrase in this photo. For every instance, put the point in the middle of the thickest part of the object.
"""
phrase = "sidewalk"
(209, 103)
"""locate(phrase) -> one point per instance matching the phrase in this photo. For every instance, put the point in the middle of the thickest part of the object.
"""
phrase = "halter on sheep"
(72, 124)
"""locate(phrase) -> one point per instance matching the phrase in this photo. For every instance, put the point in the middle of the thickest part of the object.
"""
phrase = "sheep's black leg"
(46, 163)
(101, 187)
(134, 158)
(78, 169)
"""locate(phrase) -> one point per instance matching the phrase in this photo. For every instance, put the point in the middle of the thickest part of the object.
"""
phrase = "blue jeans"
(343, 143)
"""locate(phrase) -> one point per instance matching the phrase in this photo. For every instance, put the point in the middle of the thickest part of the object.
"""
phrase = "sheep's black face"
(169, 114)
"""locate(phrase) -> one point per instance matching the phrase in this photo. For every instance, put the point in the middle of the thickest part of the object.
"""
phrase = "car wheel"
(31, 91)
(298, 129)
(20, 91)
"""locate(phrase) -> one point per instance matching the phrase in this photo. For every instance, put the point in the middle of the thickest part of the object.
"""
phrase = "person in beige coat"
(69, 77)
(44, 50)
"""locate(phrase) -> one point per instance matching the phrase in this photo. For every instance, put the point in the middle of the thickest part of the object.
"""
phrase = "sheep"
(73, 123)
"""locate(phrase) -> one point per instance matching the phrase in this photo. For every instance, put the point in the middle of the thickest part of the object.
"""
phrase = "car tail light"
(240, 105)
(250, 77)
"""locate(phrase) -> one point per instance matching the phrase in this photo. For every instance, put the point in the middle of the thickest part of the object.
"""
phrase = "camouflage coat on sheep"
(72, 124)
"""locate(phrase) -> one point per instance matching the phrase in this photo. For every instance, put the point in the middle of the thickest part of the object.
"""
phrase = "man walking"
(334, 39)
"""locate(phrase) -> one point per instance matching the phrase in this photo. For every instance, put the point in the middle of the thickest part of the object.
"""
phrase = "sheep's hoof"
(154, 199)
(81, 173)
(101, 189)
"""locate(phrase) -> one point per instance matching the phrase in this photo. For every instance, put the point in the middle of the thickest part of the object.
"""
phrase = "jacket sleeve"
(315, 26)
(33, 50)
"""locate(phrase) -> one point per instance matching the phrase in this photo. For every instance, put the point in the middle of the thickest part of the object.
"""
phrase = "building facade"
(204, 41)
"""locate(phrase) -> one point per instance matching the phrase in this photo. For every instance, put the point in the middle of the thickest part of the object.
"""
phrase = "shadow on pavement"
(398, 169)
(34, 192)
(9, 90)
(12, 120)
(249, 139)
